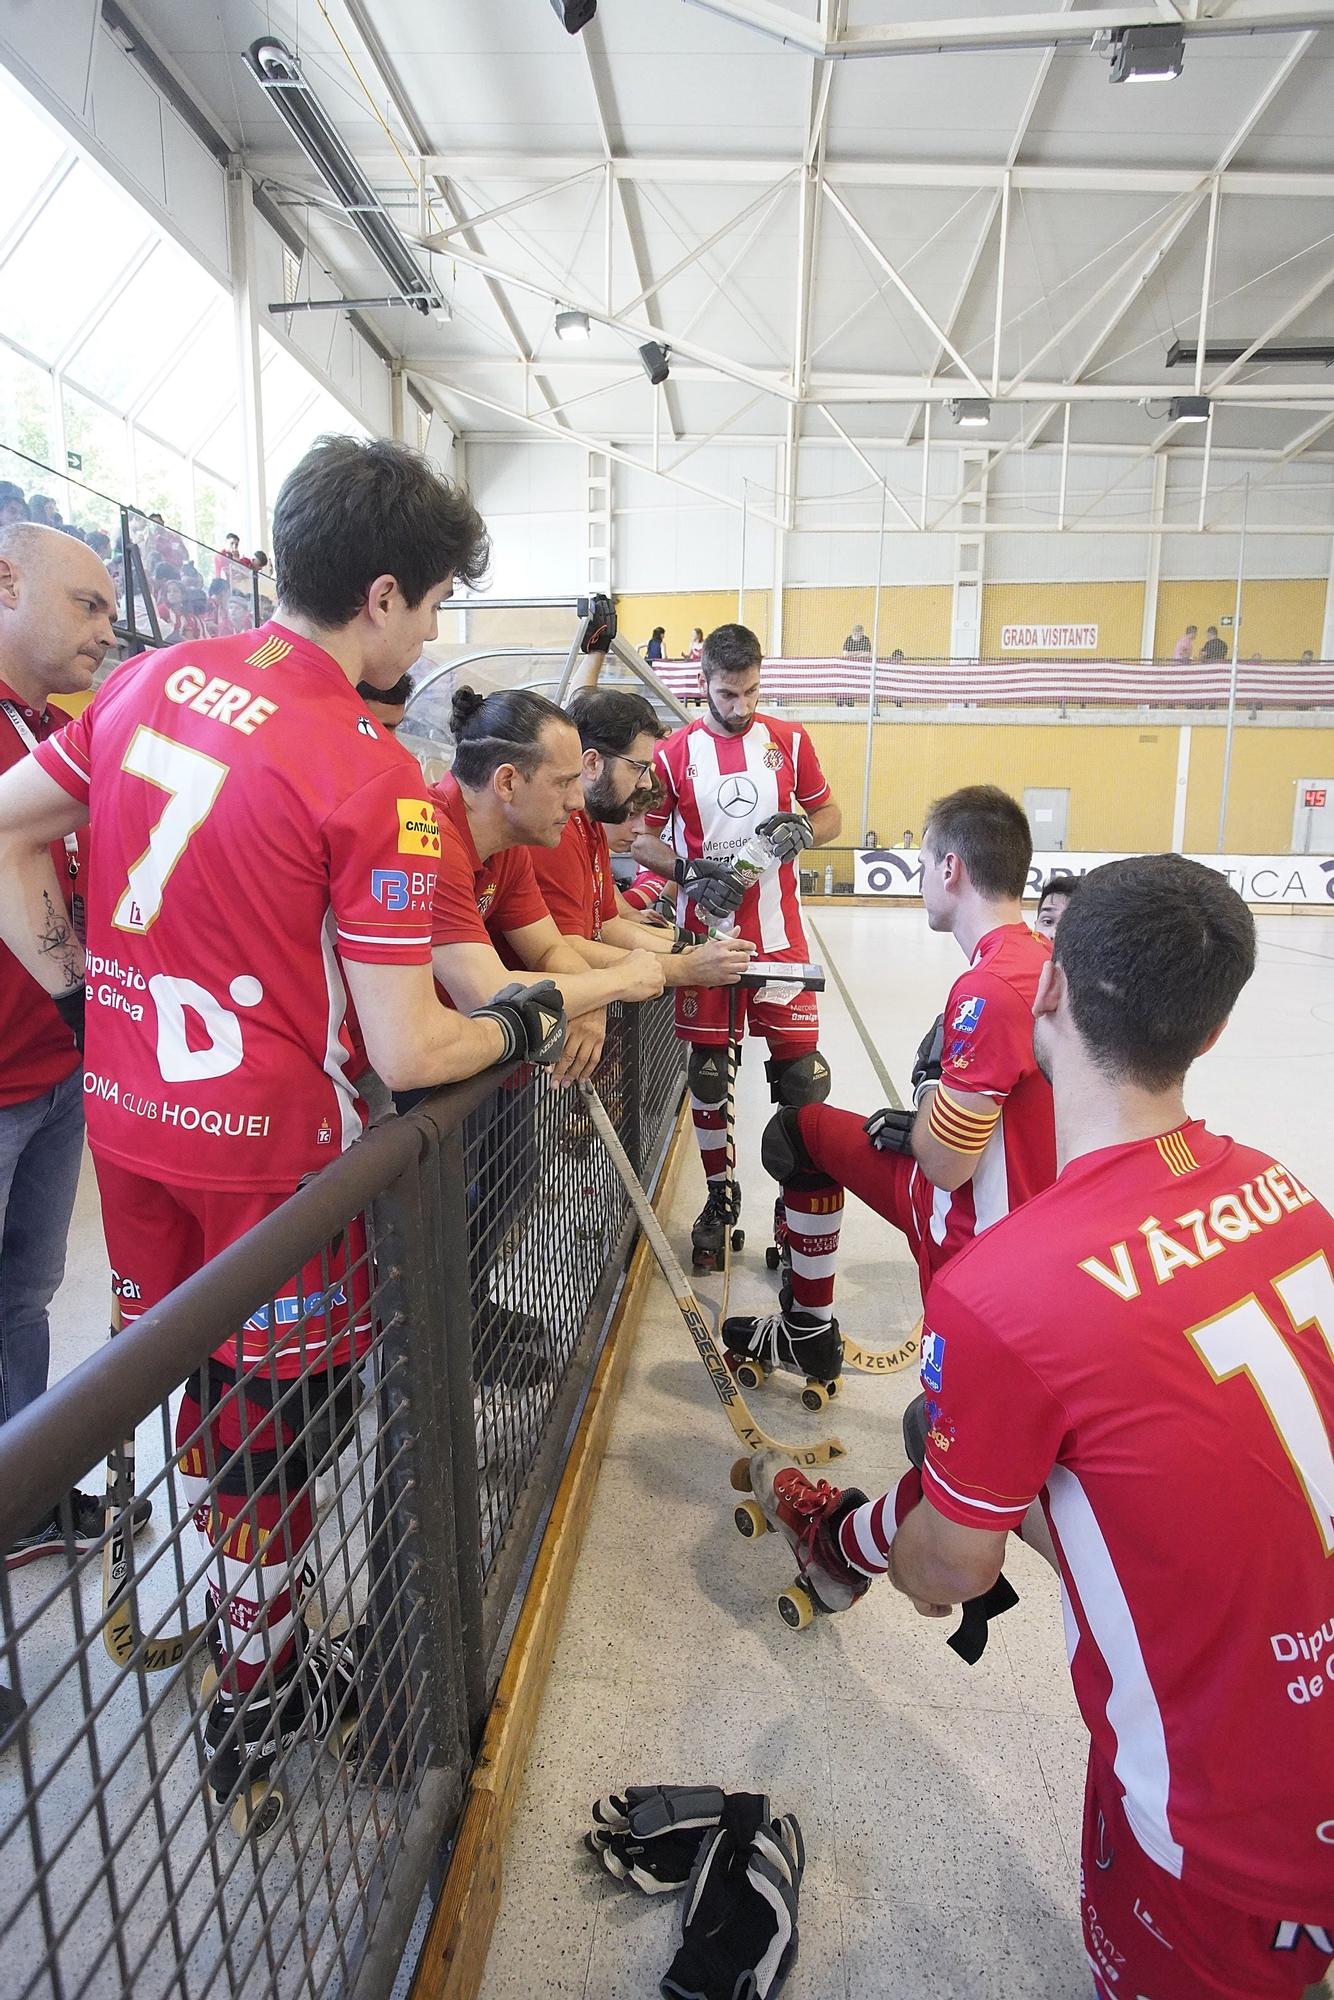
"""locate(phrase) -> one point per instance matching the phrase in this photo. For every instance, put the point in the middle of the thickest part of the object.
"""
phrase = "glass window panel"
(196, 381)
(221, 449)
(100, 441)
(82, 240)
(163, 484)
(216, 514)
(25, 398)
(29, 149)
(147, 331)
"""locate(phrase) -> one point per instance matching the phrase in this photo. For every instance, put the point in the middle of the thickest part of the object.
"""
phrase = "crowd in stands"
(189, 604)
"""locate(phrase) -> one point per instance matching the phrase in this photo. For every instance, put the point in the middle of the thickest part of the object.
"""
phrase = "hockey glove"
(651, 1834)
(926, 1069)
(532, 1019)
(600, 613)
(711, 886)
(890, 1131)
(71, 1007)
(969, 1639)
(788, 834)
(739, 1922)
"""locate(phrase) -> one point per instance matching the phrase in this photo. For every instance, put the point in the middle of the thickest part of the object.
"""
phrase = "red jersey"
(476, 901)
(36, 1047)
(254, 828)
(988, 1052)
(1149, 1345)
(718, 789)
(574, 878)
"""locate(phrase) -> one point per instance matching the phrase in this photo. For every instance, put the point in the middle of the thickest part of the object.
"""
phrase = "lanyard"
(29, 742)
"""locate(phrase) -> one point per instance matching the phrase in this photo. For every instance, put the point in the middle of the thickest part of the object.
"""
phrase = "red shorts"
(158, 1236)
(1151, 1937)
(837, 1143)
(791, 1027)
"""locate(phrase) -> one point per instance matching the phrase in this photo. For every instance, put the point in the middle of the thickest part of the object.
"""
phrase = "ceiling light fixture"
(1189, 409)
(571, 325)
(970, 412)
(277, 71)
(657, 365)
(1147, 55)
(1274, 353)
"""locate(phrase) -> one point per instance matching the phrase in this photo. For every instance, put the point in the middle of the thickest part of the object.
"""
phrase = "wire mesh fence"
(237, 1743)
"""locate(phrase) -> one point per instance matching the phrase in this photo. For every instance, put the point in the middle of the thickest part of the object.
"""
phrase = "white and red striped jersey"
(1148, 1345)
(718, 789)
(254, 830)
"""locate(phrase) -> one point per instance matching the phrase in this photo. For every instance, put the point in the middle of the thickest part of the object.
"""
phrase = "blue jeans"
(41, 1150)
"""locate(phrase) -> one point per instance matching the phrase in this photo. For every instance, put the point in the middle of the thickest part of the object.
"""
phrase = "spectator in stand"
(165, 544)
(229, 554)
(218, 612)
(1213, 648)
(99, 541)
(190, 576)
(1308, 658)
(857, 641)
(243, 611)
(907, 840)
(896, 657)
(43, 510)
(653, 652)
(192, 623)
(1184, 649)
(259, 560)
(696, 644)
(168, 597)
(13, 506)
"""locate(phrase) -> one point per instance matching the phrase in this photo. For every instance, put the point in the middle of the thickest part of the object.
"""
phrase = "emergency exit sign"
(1313, 797)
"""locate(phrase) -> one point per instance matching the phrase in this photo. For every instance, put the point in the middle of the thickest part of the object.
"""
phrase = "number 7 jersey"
(254, 828)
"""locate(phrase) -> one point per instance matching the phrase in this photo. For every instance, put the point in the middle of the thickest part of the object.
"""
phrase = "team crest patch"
(486, 899)
(967, 1015)
(365, 727)
(418, 832)
(933, 1360)
(773, 757)
(692, 771)
(689, 1006)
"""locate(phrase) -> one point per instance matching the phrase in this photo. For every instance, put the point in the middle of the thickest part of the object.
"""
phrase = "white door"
(1048, 811)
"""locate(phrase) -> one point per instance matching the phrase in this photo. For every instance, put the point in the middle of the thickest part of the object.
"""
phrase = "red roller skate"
(808, 1513)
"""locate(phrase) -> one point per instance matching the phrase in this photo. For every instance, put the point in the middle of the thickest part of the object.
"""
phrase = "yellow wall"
(1121, 778)
(1281, 617)
(914, 617)
(678, 611)
(1117, 609)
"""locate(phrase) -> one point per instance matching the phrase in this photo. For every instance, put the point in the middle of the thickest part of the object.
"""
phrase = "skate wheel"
(738, 1239)
(814, 1396)
(739, 1476)
(832, 1388)
(750, 1374)
(749, 1518)
(795, 1607)
(771, 1256)
(256, 1811)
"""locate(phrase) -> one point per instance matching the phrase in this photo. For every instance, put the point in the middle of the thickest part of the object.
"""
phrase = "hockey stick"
(120, 1633)
(884, 1360)
(729, 1152)
(697, 1325)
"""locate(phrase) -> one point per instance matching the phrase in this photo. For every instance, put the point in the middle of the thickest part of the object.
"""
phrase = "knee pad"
(784, 1155)
(706, 1073)
(798, 1080)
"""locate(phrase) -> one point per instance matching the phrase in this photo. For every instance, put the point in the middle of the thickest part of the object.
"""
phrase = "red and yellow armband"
(957, 1125)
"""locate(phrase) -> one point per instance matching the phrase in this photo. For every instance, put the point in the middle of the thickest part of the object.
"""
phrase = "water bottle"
(749, 863)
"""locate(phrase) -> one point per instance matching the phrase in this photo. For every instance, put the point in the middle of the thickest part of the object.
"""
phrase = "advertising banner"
(1260, 878)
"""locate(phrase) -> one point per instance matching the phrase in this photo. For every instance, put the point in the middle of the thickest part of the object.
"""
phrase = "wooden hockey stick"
(697, 1324)
(120, 1632)
(729, 1152)
(884, 1360)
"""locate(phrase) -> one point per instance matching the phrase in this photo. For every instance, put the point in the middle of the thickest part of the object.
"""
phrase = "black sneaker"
(76, 1524)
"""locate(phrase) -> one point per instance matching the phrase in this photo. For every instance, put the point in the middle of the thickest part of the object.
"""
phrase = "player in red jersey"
(263, 854)
(725, 777)
(618, 732)
(1135, 1372)
(979, 1139)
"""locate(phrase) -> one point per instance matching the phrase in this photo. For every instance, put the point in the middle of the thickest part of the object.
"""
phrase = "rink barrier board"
(454, 1955)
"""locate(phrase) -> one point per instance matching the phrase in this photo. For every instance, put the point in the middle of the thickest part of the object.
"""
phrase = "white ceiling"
(685, 120)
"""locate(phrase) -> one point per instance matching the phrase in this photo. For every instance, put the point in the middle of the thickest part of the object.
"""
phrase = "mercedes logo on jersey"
(738, 796)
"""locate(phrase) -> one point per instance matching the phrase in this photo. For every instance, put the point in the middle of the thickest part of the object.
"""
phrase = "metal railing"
(460, 1269)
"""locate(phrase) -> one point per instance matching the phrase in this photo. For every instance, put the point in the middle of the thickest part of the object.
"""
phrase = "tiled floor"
(940, 1803)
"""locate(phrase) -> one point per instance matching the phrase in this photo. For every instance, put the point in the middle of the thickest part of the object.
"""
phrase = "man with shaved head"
(56, 606)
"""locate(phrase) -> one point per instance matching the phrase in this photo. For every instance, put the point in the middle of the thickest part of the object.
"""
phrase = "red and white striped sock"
(864, 1535)
(814, 1218)
(711, 1132)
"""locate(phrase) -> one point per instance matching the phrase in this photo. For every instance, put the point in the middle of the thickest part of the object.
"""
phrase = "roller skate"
(710, 1226)
(316, 1702)
(808, 1514)
(795, 1341)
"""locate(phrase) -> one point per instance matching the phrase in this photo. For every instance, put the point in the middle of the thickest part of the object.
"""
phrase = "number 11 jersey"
(254, 828)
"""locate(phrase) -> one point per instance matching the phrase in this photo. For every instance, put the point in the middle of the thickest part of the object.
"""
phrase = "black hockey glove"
(651, 1834)
(969, 1639)
(926, 1069)
(739, 1921)
(890, 1131)
(600, 613)
(711, 886)
(788, 834)
(71, 1007)
(533, 1020)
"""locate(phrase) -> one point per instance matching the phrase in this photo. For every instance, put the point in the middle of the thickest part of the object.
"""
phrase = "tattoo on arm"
(56, 940)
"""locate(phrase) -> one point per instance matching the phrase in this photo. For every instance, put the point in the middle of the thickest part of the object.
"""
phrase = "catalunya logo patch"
(418, 832)
(966, 1016)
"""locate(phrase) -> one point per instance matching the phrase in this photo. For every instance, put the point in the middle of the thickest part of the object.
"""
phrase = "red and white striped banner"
(1006, 683)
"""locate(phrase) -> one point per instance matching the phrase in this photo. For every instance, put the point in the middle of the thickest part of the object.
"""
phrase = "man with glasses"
(619, 732)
